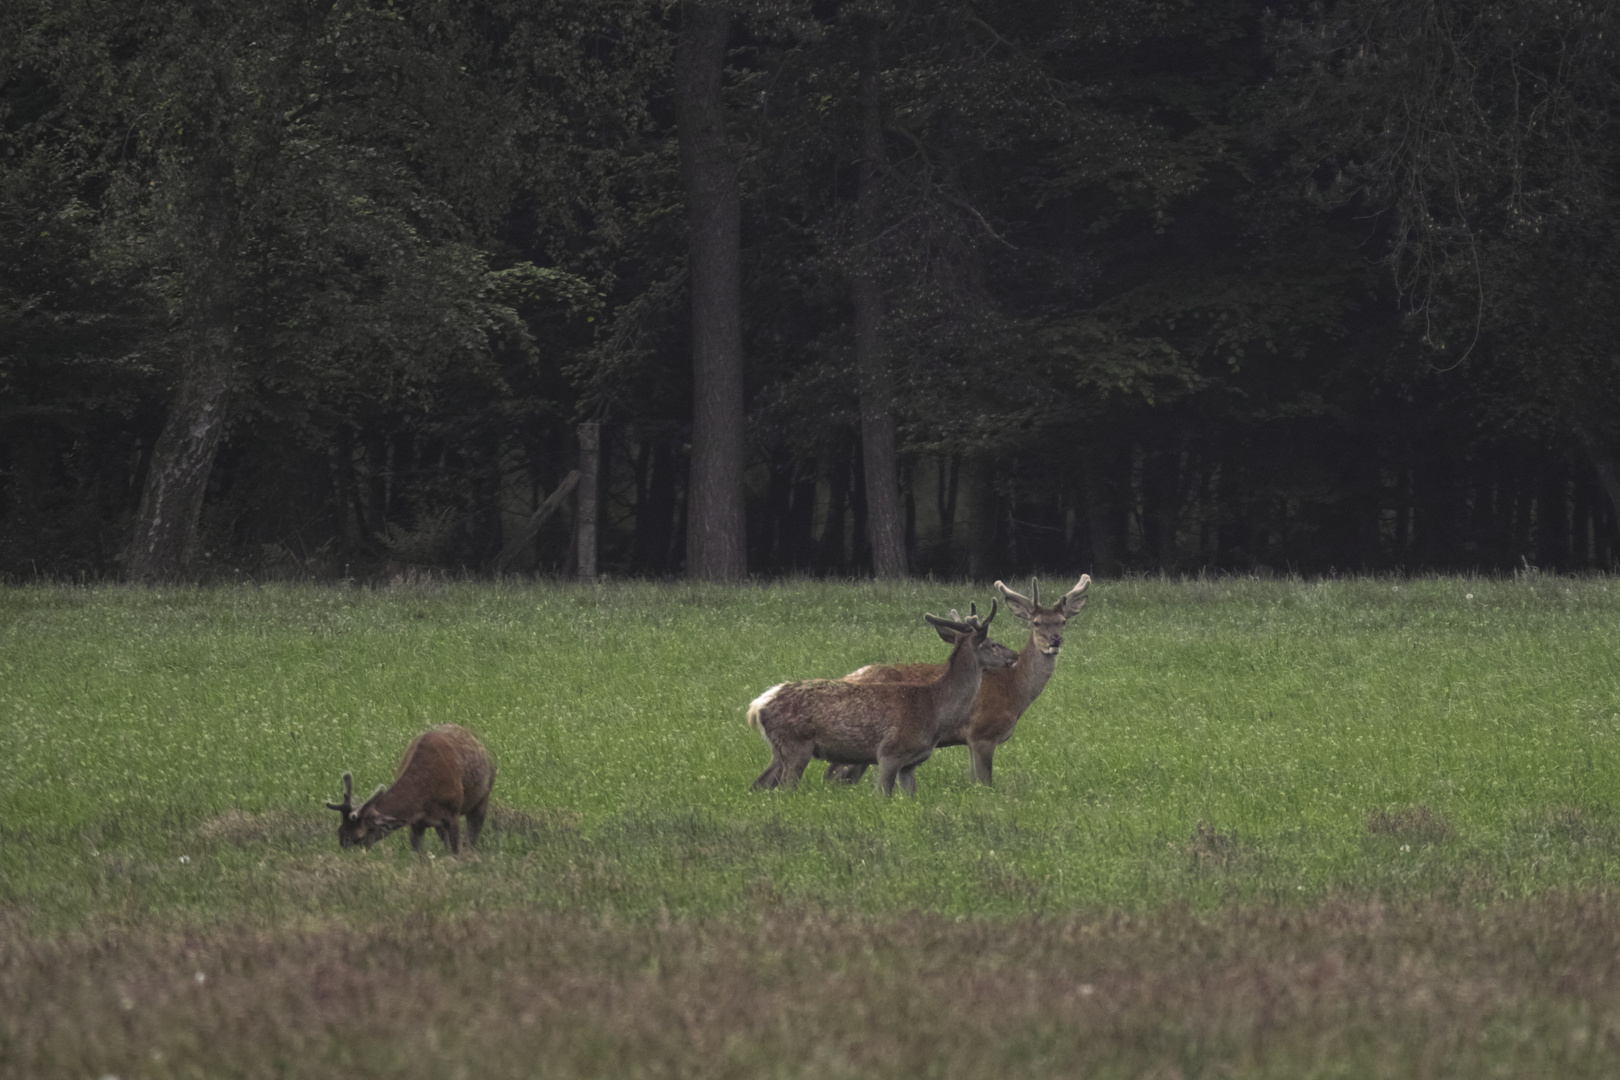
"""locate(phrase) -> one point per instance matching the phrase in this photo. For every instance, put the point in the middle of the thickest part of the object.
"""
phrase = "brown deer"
(1003, 656)
(1004, 693)
(891, 725)
(446, 774)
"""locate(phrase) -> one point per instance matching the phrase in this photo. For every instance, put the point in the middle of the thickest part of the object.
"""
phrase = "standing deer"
(891, 725)
(446, 774)
(1003, 657)
(1004, 693)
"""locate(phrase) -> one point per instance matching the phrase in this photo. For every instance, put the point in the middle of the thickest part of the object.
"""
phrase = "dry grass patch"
(1411, 823)
(1526, 990)
(275, 828)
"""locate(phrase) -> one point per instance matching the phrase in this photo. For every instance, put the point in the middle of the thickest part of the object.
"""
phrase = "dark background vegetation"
(315, 288)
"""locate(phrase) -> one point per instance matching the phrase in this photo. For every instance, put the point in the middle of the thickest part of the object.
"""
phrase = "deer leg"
(772, 775)
(794, 762)
(475, 822)
(908, 780)
(888, 769)
(979, 754)
(416, 836)
(787, 765)
(450, 833)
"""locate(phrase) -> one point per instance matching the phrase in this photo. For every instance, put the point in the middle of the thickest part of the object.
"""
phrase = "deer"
(446, 774)
(1004, 656)
(894, 726)
(1004, 693)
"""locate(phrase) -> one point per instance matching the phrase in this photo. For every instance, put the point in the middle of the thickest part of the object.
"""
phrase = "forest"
(355, 289)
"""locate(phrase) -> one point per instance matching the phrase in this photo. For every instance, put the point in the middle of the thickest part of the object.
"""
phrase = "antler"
(969, 625)
(348, 795)
(1018, 598)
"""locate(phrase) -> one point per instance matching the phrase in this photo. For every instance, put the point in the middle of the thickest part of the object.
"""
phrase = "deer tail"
(756, 705)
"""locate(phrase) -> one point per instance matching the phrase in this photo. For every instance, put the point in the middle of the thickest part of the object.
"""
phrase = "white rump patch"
(860, 671)
(758, 704)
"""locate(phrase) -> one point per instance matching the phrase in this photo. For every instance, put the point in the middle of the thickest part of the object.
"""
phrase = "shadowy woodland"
(304, 288)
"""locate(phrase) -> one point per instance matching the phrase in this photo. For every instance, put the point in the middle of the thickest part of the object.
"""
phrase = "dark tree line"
(331, 288)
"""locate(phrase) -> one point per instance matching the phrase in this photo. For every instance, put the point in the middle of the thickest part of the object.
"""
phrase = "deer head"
(990, 654)
(1046, 623)
(361, 825)
(993, 655)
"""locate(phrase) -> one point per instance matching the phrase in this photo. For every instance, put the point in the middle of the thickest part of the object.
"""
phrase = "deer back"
(445, 772)
(444, 767)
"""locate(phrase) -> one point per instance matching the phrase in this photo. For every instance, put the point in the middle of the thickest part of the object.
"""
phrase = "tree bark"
(885, 525)
(164, 546)
(715, 539)
(590, 456)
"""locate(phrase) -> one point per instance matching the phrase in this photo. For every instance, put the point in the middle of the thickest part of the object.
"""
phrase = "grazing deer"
(446, 774)
(1004, 693)
(891, 725)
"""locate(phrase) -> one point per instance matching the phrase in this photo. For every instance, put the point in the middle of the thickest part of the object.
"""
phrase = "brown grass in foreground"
(1520, 990)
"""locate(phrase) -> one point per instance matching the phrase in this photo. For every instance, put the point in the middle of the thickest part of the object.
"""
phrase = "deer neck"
(396, 802)
(954, 691)
(1034, 668)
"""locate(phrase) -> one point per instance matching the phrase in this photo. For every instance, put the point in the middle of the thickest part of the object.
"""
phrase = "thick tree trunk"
(165, 542)
(885, 526)
(590, 456)
(715, 538)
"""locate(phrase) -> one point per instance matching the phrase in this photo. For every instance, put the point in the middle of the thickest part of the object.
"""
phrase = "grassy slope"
(1219, 748)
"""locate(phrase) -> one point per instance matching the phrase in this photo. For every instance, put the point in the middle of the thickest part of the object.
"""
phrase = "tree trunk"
(590, 454)
(715, 538)
(165, 541)
(885, 526)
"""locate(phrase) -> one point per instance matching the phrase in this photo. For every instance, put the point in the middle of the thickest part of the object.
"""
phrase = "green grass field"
(1251, 828)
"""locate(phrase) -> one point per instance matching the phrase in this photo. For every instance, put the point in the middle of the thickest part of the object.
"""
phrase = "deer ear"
(1075, 598)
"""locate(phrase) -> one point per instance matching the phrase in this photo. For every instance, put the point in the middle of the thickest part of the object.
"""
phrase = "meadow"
(1251, 828)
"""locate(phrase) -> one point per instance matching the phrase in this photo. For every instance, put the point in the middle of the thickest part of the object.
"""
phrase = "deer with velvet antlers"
(446, 775)
(1004, 694)
(894, 726)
